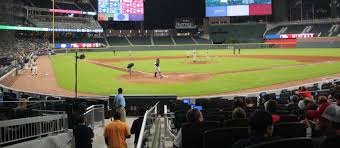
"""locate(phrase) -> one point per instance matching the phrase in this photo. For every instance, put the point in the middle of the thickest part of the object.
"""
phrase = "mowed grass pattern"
(104, 81)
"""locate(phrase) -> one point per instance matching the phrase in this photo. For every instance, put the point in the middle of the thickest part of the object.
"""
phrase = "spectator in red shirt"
(271, 106)
(323, 104)
(304, 93)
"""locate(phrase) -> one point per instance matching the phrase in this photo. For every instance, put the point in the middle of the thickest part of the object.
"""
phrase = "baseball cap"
(332, 113)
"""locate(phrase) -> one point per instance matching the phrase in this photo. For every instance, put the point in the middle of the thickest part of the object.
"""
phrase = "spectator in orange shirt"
(116, 132)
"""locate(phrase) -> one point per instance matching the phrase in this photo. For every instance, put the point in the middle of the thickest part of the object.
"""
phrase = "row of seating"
(213, 135)
(157, 40)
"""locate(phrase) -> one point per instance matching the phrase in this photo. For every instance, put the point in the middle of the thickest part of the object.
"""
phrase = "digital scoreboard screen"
(120, 10)
(218, 8)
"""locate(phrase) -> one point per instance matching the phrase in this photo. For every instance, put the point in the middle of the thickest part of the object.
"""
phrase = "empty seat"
(284, 143)
(192, 133)
(236, 123)
(290, 130)
(223, 137)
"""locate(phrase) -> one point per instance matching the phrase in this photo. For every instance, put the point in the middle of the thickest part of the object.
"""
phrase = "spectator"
(337, 98)
(323, 104)
(120, 105)
(307, 104)
(116, 132)
(260, 128)
(328, 125)
(137, 125)
(238, 113)
(271, 106)
(83, 134)
(193, 116)
(239, 102)
(304, 93)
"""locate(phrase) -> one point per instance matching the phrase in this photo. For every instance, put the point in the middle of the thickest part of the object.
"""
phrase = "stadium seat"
(223, 137)
(290, 130)
(219, 118)
(285, 143)
(236, 123)
(331, 142)
(288, 118)
(192, 133)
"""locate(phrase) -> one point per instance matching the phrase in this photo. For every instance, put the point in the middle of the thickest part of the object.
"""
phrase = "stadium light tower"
(82, 56)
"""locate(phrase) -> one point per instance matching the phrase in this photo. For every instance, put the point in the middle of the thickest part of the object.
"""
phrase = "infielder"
(158, 68)
(34, 67)
(194, 55)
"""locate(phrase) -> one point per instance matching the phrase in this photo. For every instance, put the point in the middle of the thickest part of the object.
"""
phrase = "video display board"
(217, 8)
(120, 10)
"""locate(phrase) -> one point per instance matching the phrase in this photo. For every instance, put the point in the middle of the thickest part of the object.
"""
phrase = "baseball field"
(214, 72)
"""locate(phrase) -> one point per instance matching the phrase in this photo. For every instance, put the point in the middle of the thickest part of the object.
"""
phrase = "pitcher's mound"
(170, 78)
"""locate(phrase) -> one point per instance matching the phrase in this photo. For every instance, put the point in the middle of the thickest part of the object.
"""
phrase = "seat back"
(288, 118)
(284, 143)
(290, 130)
(223, 137)
(236, 123)
(331, 142)
(219, 118)
(192, 133)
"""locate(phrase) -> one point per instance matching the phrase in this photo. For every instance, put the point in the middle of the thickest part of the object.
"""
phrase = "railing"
(95, 116)
(16, 130)
(148, 126)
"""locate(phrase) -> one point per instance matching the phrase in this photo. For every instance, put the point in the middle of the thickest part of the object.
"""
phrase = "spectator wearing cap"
(260, 129)
(271, 106)
(83, 134)
(193, 116)
(328, 125)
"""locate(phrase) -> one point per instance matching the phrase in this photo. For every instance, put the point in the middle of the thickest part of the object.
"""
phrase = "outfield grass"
(104, 81)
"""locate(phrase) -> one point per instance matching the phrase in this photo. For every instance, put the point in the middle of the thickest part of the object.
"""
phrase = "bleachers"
(219, 110)
(140, 40)
(42, 3)
(183, 40)
(320, 30)
(117, 41)
(162, 40)
(202, 40)
(86, 7)
(65, 22)
(80, 40)
(251, 33)
(67, 6)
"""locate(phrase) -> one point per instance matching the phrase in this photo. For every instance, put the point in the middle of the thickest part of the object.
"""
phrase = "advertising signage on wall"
(290, 36)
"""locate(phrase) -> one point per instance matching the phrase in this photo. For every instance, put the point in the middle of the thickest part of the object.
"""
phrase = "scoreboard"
(120, 10)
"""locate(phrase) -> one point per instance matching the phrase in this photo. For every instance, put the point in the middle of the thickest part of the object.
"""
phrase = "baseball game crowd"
(21, 51)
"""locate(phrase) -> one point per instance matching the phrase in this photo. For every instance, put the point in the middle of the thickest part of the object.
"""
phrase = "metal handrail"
(90, 111)
(141, 134)
(34, 127)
